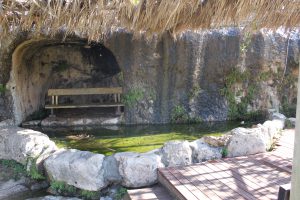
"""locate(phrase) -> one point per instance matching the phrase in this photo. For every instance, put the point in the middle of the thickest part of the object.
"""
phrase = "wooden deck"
(249, 177)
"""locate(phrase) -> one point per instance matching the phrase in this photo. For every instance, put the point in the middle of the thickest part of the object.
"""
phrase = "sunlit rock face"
(159, 76)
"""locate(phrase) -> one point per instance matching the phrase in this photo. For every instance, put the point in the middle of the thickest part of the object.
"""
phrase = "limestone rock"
(20, 144)
(12, 187)
(81, 169)
(54, 198)
(111, 169)
(6, 123)
(274, 128)
(247, 141)
(138, 170)
(177, 153)
(216, 141)
(203, 152)
(278, 116)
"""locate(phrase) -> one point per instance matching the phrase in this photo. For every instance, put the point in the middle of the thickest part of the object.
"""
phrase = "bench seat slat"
(83, 105)
(84, 91)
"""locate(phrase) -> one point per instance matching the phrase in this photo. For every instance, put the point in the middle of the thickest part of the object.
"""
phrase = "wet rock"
(54, 198)
(21, 144)
(81, 169)
(203, 152)
(176, 153)
(12, 188)
(31, 123)
(138, 170)
(247, 141)
(216, 141)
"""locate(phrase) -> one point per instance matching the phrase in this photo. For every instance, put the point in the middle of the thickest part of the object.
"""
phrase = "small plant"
(120, 193)
(132, 97)
(224, 152)
(194, 92)
(288, 124)
(57, 186)
(179, 115)
(32, 170)
(19, 170)
(2, 89)
(245, 43)
(89, 194)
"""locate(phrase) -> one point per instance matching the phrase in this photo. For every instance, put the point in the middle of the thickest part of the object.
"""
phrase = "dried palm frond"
(96, 18)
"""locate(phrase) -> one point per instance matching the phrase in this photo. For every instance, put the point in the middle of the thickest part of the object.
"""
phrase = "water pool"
(142, 138)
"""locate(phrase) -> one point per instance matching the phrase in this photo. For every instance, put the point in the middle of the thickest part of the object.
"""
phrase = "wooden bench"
(55, 93)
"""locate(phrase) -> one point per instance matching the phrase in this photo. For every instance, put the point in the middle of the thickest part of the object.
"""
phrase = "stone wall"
(184, 78)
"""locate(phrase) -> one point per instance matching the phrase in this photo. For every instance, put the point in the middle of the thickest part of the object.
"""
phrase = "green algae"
(109, 140)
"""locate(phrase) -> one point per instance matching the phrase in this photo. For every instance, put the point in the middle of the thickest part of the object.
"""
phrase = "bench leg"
(52, 113)
(118, 110)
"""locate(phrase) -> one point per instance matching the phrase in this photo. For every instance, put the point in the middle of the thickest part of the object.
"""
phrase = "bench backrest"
(84, 91)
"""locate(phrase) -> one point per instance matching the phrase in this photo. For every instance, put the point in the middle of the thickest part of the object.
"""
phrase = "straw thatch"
(95, 18)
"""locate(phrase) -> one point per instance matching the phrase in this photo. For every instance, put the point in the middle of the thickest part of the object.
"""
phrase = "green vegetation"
(32, 170)
(180, 115)
(224, 152)
(19, 170)
(2, 89)
(120, 193)
(245, 43)
(63, 188)
(135, 2)
(194, 92)
(135, 138)
(238, 107)
(288, 124)
(132, 97)
(57, 186)
(89, 194)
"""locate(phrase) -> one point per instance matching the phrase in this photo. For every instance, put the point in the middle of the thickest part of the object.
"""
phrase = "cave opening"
(38, 66)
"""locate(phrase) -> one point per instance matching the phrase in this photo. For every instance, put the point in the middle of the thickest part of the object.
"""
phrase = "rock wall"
(190, 78)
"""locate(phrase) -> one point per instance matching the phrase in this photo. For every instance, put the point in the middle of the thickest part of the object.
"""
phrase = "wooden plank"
(284, 192)
(84, 91)
(106, 105)
(190, 186)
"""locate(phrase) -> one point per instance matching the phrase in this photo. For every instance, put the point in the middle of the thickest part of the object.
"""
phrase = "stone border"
(94, 172)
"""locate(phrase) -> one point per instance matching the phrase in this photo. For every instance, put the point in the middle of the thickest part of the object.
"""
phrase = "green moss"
(180, 115)
(132, 97)
(120, 193)
(3, 89)
(194, 92)
(19, 170)
(224, 152)
(57, 186)
(89, 194)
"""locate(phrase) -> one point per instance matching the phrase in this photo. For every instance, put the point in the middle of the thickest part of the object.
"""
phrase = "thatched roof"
(95, 18)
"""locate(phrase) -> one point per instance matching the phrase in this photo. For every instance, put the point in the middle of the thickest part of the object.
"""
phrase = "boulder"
(21, 144)
(111, 170)
(203, 152)
(81, 169)
(247, 141)
(220, 141)
(177, 153)
(13, 188)
(138, 170)
(274, 127)
(278, 116)
(7, 123)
